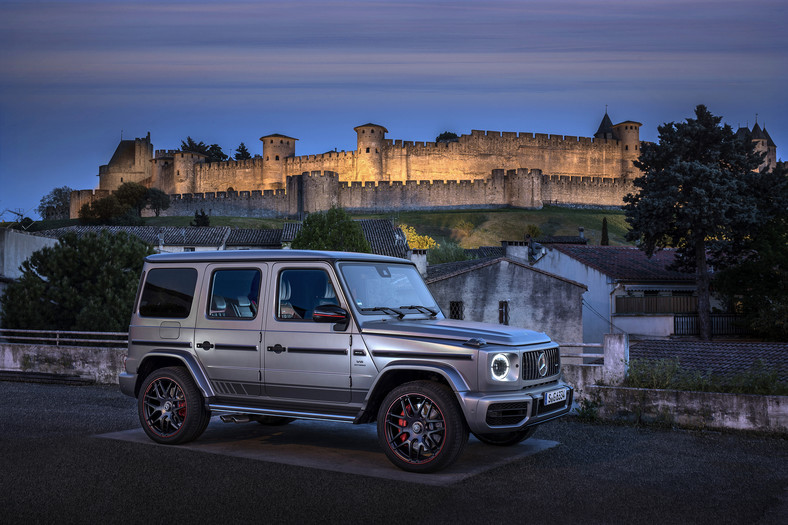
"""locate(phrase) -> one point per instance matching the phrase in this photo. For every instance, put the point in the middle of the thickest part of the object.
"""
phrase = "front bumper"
(506, 412)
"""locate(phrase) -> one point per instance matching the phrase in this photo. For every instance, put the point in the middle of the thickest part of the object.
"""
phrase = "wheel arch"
(397, 374)
(160, 359)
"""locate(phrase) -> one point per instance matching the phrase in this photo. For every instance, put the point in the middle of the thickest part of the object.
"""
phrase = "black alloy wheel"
(421, 427)
(170, 407)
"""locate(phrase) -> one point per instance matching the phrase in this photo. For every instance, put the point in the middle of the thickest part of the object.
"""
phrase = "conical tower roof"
(605, 127)
(757, 133)
(769, 140)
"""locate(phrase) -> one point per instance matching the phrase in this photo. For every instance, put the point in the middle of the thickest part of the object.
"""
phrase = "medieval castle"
(480, 170)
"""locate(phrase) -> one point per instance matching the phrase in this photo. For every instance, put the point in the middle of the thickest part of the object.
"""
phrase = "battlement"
(160, 153)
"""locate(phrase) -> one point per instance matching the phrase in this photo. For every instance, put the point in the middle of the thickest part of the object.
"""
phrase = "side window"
(168, 293)
(234, 294)
(301, 290)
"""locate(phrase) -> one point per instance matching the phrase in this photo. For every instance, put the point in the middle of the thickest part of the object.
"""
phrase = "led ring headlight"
(499, 367)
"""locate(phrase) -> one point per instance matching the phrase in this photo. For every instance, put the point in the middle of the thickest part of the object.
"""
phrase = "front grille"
(531, 364)
(500, 414)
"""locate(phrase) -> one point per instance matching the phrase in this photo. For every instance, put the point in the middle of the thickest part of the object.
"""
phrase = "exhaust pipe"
(235, 418)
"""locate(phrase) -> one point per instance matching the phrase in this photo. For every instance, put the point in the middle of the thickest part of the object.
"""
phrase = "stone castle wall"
(318, 191)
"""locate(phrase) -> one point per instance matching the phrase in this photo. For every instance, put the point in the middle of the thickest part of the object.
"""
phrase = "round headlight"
(499, 366)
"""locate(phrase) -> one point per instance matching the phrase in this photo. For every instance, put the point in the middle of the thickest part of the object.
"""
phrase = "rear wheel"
(506, 439)
(421, 427)
(170, 407)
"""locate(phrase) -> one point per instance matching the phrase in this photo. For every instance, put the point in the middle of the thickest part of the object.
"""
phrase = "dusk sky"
(75, 75)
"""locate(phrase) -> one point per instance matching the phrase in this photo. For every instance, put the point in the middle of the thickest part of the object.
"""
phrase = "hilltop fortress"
(480, 170)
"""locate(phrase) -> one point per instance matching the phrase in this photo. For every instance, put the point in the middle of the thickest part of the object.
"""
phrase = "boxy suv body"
(276, 335)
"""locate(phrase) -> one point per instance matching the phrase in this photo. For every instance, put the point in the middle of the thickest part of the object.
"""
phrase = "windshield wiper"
(422, 309)
(385, 309)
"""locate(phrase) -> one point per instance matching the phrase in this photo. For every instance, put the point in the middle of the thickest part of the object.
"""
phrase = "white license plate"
(555, 396)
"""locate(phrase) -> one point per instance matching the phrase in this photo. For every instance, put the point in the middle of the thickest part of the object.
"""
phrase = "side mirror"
(331, 313)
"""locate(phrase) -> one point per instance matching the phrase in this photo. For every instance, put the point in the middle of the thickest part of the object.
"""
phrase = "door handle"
(206, 345)
(277, 349)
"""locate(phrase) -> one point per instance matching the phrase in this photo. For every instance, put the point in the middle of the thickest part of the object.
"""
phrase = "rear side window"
(234, 294)
(168, 293)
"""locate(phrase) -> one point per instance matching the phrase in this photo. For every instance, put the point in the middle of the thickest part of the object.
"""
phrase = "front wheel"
(170, 407)
(506, 439)
(421, 427)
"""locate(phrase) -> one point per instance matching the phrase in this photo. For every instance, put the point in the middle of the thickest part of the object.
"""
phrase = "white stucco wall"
(596, 301)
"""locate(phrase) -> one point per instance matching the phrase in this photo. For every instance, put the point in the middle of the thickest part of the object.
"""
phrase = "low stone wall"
(692, 409)
(97, 364)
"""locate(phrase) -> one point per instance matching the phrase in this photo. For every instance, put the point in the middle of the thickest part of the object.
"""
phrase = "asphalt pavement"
(68, 454)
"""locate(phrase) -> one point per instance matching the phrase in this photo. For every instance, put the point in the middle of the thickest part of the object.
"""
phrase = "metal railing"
(721, 324)
(582, 357)
(64, 338)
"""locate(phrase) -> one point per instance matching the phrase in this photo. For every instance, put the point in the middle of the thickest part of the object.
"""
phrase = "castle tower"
(628, 134)
(129, 163)
(183, 176)
(771, 150)
(369, 165)
(276, 148)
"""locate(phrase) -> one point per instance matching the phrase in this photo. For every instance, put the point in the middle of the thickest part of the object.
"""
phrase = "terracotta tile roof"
(561, 239)
(155, 235)
(384, 238)
(439, 272)
(722, 358)
(485, 251)
(625, 263)
(254, 237)
(290, 230)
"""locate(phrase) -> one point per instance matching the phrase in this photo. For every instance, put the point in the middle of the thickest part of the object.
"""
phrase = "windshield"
(386, 288)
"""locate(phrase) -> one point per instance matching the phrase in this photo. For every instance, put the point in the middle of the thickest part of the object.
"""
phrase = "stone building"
(483, 169)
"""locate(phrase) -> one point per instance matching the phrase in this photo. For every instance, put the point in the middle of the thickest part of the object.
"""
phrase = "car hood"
(454, 330)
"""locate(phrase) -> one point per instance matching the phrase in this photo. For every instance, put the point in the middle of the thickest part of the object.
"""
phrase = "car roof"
(270, 255)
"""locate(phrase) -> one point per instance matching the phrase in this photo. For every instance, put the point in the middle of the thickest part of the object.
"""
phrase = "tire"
(506, 439)
(170, 407)
(273, 421)
(421, 427)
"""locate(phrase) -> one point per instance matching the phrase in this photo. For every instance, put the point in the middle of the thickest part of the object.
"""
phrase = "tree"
(56, 204)
(101, 211)
(695, 190)
(416, 241)
(605, 236)
(447, 136)
(200, 219)
(331, 230)
(132, 195)
(213, 152)
(158, 200)
(754, 274)
(81, 283)
(242, 153)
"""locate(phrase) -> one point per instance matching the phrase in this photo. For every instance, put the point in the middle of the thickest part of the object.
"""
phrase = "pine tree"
(605, 238)
(696, 191)
(81, 283)
(242, 153)
(200, 219)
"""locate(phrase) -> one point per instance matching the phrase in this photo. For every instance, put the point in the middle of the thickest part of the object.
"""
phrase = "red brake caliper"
(403, 423)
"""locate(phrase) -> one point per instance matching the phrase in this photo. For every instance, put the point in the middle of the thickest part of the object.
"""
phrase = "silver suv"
(271, 336)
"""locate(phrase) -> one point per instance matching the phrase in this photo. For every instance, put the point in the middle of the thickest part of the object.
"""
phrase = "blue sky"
(75, 75)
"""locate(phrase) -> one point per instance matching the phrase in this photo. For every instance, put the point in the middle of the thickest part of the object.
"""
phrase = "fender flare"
(192, 365)
(455, 380)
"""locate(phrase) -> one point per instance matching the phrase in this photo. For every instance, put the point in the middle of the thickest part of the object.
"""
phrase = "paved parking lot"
(56, 468)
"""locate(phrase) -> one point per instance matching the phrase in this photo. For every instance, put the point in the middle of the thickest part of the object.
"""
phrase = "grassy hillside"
(476, 228)
(469, 228)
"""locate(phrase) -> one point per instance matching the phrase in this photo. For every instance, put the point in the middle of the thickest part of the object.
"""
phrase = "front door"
(305, 360)
(228, 334)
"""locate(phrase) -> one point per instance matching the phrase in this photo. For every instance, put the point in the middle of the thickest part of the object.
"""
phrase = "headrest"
(243, 300)
(284, 291)
(218, 303)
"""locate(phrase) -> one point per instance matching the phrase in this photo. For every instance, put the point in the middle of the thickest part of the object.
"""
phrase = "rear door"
(305, 360)
(228, 330)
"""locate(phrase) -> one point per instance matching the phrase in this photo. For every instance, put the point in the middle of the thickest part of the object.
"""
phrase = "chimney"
(581, 232)
(419, 258)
